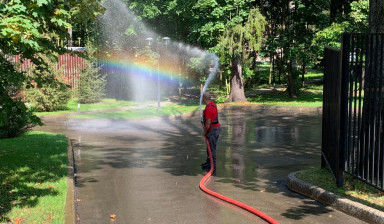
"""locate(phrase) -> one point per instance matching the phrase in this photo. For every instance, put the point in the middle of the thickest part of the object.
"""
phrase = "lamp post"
(149, 39)
(165, 41)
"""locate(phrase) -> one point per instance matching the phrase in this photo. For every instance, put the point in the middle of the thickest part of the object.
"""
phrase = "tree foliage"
(49, 96)
(92, 84)
(200, 22)
(292, 26)
(236, 44)
(243, 38)
(355, 21)
(32, 28)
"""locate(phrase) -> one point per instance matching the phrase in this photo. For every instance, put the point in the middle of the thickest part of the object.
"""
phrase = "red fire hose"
(227, 199)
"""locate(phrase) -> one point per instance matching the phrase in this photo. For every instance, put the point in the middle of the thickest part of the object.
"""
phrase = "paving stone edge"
(347, 206)
(70, 200)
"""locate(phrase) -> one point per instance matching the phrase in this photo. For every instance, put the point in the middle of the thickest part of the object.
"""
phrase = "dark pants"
(213, 136)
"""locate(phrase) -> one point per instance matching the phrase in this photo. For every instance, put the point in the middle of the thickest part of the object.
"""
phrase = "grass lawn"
(171, 109)
(33, 184)
(313, 75)
(353, 188)
(72, 106)
(311, 96)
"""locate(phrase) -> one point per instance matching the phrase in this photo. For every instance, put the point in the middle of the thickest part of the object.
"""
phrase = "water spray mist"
(211, 75)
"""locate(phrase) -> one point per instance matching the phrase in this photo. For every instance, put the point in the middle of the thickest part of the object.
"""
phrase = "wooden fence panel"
(71, 65)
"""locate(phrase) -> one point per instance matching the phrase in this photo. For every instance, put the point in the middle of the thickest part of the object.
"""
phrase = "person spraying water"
(209, 117)
(211, 128)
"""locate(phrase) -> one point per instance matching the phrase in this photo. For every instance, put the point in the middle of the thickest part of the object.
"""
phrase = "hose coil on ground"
(227, 199)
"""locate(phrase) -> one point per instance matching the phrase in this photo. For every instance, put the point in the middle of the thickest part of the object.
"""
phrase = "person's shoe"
(206, 164)
(208, 167)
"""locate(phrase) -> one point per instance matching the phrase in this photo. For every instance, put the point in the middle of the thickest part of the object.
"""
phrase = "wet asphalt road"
(148, 171)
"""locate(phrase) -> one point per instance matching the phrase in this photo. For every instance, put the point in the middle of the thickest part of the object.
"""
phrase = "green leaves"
(241, 39)
(42, 2)
(203, 5)
(357, 21)
(16, 8)
(130, 31)
(60, 22)
(31, 29)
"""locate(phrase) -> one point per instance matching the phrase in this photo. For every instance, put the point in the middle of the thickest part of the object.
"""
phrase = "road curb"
(70, 205)
(347, 206)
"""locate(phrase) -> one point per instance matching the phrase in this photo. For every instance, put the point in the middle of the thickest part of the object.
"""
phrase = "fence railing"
(361, 100)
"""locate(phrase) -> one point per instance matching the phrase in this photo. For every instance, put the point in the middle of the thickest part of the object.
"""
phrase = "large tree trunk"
(291, 87)
(70, 42)
(237, 85)
(287, 72)
(303, 71)
(270, 69)
(376, 16)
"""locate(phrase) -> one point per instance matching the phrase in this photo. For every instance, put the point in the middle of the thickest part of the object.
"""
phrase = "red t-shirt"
(210, 112)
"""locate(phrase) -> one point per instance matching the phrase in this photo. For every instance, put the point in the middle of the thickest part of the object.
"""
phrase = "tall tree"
(292, 25)
(236, 43)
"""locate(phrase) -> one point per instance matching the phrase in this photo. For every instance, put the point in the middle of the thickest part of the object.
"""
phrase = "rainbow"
(165, 72)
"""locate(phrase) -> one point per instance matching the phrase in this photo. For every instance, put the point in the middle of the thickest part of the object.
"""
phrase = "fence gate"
(362, 113)
(353, 114)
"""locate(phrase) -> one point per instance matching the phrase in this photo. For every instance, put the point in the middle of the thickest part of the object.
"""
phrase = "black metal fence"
(361, 137)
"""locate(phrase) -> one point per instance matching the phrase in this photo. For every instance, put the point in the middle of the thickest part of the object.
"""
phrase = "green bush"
(15, 118)
(50, 96)
(92, 84)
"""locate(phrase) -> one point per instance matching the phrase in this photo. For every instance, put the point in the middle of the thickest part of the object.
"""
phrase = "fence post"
(345, 54)
(330, 151)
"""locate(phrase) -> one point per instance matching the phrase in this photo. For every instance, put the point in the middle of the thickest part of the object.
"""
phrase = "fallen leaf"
(112, 216)
(18, 220)
(50, 186)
